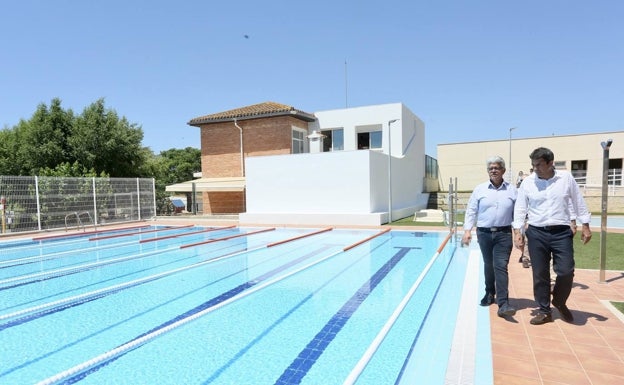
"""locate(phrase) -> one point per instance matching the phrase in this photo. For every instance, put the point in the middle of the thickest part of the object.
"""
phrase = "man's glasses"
(495, 168)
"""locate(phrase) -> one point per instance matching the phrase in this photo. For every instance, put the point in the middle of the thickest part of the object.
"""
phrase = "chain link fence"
(34, 203)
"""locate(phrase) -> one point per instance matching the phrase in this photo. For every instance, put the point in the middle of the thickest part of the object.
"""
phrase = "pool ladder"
(77, 214)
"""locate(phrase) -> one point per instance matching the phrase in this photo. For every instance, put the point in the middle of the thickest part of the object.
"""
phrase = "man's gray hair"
(495, 159)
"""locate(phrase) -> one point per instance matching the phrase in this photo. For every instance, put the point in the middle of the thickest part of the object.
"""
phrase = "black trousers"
(544, 243)
(496, 248)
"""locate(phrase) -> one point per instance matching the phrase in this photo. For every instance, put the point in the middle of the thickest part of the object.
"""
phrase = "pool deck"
(588, 351)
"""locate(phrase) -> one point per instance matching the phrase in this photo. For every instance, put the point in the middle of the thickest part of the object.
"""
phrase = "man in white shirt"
(491, 205)
(546, 199)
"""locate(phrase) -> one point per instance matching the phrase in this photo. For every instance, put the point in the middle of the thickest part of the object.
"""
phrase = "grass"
(586, 256)
(619, 306)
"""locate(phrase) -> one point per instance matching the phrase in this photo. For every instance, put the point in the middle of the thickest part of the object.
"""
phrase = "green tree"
(106, 143)
(42, 140)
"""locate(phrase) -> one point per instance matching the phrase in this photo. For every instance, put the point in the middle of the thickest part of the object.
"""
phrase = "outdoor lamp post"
(603, 217)
(390, 170)
(511, 176)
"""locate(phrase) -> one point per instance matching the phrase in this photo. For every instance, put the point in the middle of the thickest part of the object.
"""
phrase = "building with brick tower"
(273, 163)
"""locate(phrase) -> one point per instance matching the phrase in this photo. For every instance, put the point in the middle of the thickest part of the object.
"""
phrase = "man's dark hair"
(542, 153)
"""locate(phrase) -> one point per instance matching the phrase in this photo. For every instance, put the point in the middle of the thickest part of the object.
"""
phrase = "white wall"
(466, 160)
(342, 187)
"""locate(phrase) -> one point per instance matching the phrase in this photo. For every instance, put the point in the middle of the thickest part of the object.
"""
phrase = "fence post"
(38, 202)
(95, 211)
(138, 197)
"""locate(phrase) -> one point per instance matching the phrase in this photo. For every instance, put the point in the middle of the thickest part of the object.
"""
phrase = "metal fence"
(32, 203)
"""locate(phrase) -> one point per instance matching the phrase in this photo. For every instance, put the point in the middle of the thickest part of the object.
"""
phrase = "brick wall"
(221, 156)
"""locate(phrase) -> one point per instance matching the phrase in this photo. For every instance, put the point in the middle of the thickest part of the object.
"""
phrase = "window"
(369, 140)
(579, 171)
(560, 165)
(298, 141)
(615, 172)
(334, 140)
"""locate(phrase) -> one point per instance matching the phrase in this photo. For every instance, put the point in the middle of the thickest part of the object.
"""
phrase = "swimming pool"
(229, 305)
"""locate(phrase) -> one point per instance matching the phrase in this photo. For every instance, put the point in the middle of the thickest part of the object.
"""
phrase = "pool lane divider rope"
(51, 307)
(383, 332)
(59, 236)
(226, 238)
(80, 371)
(366, 239)
(186, 234)
(167, 228)
(60, 254)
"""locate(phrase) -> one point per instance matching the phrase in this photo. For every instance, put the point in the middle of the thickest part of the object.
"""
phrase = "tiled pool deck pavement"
(589, 351)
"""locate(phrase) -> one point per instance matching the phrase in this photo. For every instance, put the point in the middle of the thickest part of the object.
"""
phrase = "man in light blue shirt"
(491, 207)
(548, 199)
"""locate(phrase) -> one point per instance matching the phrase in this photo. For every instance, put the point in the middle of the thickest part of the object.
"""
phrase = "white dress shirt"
(550, 202)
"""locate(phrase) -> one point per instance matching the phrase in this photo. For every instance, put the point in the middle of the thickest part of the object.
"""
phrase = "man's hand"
(586, 233)
(466, 238)
(518, 239)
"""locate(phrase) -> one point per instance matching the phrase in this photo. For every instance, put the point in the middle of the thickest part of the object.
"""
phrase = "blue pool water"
(192, 305)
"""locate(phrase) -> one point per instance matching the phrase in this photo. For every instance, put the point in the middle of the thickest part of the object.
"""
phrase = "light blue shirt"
(490, 206)
(550, 202)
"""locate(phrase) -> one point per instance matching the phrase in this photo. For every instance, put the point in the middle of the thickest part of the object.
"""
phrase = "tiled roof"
(265, 109)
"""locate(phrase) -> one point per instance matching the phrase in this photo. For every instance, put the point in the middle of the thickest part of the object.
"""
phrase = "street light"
(603, 217)
(510, 171)
(390, 171)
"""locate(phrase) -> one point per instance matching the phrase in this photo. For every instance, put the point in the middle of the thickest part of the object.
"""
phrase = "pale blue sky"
(469, 69)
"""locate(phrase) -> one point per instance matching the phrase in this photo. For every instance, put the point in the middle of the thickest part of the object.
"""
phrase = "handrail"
(372, 348)
(77, 219)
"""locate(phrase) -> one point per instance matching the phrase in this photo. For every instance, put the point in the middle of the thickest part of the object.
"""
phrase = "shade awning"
(209, 184)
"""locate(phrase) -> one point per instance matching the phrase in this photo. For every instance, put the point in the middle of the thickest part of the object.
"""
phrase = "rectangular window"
(298, 141)
(368, 137)
(334, 140)
(579, 171)
(615, 172)
(560, 165)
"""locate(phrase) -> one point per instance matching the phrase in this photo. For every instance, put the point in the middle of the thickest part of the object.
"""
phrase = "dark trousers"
(496, 248)
(544, 243)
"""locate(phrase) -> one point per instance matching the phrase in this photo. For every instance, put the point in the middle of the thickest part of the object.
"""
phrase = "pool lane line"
(383, 332)
(308, 356)
(39, 311)
(186, 234)
(45, 275)
(225, 238)
(60, 236)
(59, 254)
(78, 372)
(167, 228)
(83, 298)
(366, 239)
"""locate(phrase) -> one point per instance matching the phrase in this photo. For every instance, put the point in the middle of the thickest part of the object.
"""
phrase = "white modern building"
(359, 166)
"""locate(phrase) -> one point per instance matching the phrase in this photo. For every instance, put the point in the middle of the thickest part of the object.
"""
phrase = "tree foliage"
(96, 142)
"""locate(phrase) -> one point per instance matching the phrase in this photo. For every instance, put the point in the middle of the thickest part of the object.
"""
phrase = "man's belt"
(506, 229)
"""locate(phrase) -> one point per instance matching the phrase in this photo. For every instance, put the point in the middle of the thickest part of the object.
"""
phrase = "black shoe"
(565, 313)
(506, 311)
(487, 300)
(541, 318)
(520, 260)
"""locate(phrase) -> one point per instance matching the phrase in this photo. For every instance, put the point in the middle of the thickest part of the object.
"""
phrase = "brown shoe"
(541, 318)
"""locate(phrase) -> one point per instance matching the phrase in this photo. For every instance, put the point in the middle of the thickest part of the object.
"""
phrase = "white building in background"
(367, 168)
(580, 154)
